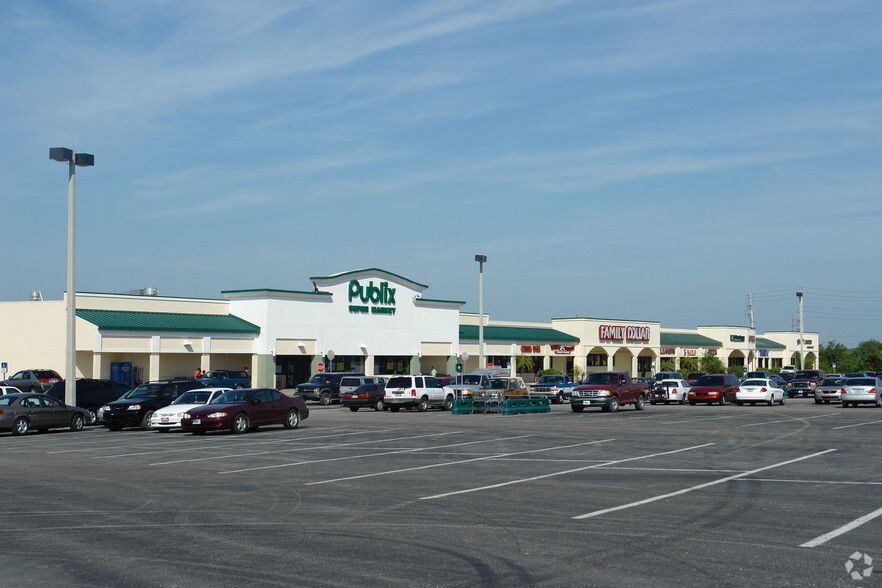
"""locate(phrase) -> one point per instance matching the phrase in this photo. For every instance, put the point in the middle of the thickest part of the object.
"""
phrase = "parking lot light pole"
(481, 259)
(73, 160)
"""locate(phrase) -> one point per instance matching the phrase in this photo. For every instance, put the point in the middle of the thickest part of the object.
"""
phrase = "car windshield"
(602, 379)
(861, 382)
(146, 391)
(833, 381)
(551, 379)
(496, 383)
(468, 380)
(756, 375)
(672, 384)
(710, 381)
(233, 397)
(807, 374)
(193, 398)
(755, 383)
(321, 379)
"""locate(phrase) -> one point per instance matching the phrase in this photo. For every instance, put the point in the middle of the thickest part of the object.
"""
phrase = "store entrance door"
(293, 370)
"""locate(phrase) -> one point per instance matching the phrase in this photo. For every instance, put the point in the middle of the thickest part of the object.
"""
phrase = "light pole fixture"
(481, 259)
(73, 160)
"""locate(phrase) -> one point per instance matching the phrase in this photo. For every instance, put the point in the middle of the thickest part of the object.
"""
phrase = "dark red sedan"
(245, 410)
(714, 389)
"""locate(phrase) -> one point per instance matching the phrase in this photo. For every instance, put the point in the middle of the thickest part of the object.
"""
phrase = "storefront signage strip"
(622, 332)
(382, 295)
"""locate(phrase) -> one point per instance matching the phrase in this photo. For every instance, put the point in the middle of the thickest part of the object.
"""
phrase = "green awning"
(687, 340)
(763, 343)
(119, 320)
(470, 332)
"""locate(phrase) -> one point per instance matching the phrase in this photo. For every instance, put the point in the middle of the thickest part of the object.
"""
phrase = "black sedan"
(366, 395)
(245, 410)
(20, 413)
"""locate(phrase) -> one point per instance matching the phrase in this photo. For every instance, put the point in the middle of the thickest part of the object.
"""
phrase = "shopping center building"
(370, 321)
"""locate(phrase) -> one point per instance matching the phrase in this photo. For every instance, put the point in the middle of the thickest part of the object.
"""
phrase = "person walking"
(197, 373)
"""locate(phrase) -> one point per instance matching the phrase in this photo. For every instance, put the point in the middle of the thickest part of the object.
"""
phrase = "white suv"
(419, 391)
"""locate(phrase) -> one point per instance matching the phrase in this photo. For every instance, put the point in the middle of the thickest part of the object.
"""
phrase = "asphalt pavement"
(669, 496)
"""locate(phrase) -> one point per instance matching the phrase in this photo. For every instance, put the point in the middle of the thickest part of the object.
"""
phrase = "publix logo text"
(373, 294)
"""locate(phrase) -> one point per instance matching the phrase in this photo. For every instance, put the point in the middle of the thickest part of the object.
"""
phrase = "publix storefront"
(370, 321)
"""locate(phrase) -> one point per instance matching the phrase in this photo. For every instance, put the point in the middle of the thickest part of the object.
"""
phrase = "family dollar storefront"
(613, 344)
(369, 321)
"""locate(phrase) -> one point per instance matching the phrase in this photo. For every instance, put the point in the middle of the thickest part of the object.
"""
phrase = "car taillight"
(413, 392)
(1, 411)
(364, 395)
(872, 391)
(843, 391)
(44, 380)
(763, 389)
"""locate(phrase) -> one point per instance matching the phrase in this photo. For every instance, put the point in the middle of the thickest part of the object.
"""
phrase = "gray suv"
(37, 381)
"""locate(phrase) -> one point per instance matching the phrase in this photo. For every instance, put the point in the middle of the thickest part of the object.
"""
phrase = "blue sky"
(642, 160)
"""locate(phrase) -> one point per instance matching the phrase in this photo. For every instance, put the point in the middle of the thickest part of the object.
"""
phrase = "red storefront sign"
(562, 349)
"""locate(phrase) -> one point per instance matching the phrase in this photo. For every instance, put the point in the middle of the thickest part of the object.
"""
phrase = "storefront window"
(391, 364)
(499, 361)
(597, 359)
(347, 363)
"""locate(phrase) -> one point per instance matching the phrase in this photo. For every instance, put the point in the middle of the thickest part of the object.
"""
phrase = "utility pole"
(801, 331)
(750, 311)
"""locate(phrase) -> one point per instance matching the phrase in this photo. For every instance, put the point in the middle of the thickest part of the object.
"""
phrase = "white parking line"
(203, 447)
(731, 416)
(309, 448)
(561, 473)
(699, 486)
(843, 529)
(834, 482)
(856, 425)
(448, 463)
(312, 461)
(789, 419)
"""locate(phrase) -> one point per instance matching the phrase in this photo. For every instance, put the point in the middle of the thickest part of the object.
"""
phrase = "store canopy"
(763, 343)
(118, 320)
(687, 340)
(470, 332)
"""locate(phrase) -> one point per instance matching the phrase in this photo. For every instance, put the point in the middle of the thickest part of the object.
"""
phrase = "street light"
(73, 160)
(481, 259)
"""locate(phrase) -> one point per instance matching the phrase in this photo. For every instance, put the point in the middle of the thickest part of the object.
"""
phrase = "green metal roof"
(118, 320)
(365, 270)
(470, 332)
(687, 340)
(763, 343)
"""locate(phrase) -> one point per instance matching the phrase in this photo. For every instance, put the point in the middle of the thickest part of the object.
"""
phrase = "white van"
(417, 391)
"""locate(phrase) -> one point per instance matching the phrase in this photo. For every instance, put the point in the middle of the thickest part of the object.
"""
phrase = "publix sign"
(375, 295)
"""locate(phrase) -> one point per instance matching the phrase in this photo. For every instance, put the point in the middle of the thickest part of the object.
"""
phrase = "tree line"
(836, 357)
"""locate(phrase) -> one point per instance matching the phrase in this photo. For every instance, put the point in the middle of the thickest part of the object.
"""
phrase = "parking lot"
(673, 495)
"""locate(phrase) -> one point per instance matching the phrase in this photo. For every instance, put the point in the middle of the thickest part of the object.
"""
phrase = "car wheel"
(652, 402)
(20, 426)
(640, 404)
(723, 399)
(76, 423)
(844, 405)
(379, 405)
(577, 407)
(613, 405)
(293, 420)
(325, 399)
(682, 401)
(93, 416)
(739, 402)
(423, 404)
(770, 401)
(448, 403)
(145, 422)
(817, 401)
(240, 424)
(879, 402)
(114, 427)
(394, 407)
(353, 408)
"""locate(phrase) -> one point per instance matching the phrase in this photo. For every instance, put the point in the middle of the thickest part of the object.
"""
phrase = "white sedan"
(759, 390)
(9, 390)
(169, 417)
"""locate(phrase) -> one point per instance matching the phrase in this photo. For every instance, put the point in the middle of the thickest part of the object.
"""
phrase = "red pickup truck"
(608, 390)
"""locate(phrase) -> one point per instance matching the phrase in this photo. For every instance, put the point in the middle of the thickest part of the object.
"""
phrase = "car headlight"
(135, 407)
(216, 415)
(104, 409)
(186, 416)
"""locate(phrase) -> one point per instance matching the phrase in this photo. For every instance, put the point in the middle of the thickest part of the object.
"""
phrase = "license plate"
(163, 420)
(197, 421)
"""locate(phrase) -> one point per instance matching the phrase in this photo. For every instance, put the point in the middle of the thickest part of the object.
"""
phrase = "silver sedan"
(829, 389)
(861, 391)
